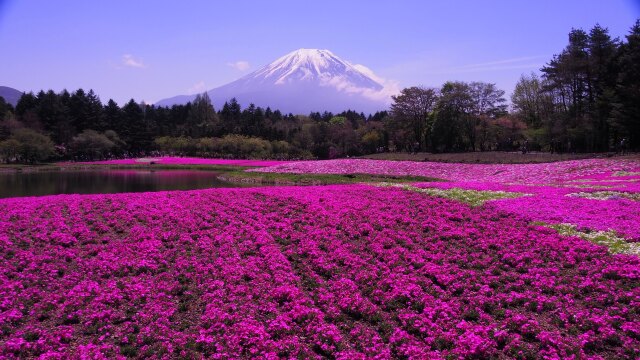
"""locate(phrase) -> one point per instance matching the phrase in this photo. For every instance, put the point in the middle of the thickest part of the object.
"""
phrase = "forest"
(584, 100)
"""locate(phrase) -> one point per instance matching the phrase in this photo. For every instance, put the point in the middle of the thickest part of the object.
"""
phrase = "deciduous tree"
(414, 107)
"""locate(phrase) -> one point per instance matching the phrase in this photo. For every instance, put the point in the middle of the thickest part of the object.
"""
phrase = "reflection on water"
(13, 184)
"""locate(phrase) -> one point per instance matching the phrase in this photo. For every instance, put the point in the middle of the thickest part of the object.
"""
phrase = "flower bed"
(497, 173)
(551, 185)
(556, 205)
(348, 272)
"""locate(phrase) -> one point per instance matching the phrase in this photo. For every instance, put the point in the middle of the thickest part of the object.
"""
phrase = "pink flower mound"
(550, 183)
(551, 205)
(350, 272)
(501, 173)
(621, 215)
(186, 161)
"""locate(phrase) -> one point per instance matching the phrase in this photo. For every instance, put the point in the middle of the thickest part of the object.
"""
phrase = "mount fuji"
(303, 81)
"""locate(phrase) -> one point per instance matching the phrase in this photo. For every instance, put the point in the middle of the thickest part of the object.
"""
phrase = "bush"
(28, 146)
(92, 145)
(229, 146)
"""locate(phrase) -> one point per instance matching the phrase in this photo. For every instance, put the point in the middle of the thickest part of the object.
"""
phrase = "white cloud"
(519, 63)
(197, 88)
(240, 65)
(505, 63)
(389, 87)
(365, 70)
(130, 61)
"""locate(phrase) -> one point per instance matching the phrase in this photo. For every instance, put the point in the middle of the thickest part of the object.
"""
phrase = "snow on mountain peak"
(314, 65)
(312, 59)
(307, 80)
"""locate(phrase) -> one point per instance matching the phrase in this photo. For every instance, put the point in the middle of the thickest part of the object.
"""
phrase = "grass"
(315, 179)
(485, 157)
(615, 243)
(471, 197)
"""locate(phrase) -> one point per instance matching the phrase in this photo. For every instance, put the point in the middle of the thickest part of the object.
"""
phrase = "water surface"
(38, 183)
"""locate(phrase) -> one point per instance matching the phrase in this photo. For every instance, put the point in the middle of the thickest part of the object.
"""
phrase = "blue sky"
(149, 50)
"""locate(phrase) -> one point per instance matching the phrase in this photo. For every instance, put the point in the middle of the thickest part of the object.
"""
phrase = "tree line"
(77, 126)
(588, 96)
(586, 100)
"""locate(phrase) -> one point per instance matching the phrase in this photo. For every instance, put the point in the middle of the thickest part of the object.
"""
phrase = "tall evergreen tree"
(27, 102)
(53, 111)
(626, 109)
(603, 75)
(202, 119)
(231, 115)
(134, 130)
(94, 111)
(581, 81)
(113, 117)
(78, 110)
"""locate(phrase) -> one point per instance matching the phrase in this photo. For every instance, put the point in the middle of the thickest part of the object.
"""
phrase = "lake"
(38, 183)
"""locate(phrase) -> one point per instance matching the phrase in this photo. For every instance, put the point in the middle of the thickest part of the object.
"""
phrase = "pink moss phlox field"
(549, 184)
(166, 160)
(500, 173)
(347, 272)
(552, 205)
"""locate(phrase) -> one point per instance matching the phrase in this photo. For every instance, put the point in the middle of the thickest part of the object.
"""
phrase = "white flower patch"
(626, 173)
(615, 243)
(606, 195)
(471, 197)
(602, 181)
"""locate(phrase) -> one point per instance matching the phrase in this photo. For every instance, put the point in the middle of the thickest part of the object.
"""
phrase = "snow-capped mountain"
(302, 81)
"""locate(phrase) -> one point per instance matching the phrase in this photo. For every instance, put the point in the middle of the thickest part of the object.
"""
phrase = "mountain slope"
(302, 81)
(10, 95)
